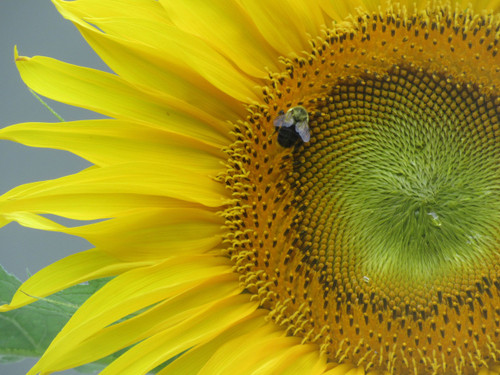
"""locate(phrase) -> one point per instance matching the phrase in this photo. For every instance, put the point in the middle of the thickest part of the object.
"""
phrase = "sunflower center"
(379, 238)
(402, 181)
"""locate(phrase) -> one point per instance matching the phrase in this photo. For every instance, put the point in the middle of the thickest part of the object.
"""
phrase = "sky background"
(37, 29)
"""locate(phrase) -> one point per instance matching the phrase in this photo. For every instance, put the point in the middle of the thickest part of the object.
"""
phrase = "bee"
(293, 124)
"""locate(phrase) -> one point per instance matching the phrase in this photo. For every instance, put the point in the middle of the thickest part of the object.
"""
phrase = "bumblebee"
(293, 125)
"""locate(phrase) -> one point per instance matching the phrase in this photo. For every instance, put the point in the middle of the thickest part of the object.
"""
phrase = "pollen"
(378, 239)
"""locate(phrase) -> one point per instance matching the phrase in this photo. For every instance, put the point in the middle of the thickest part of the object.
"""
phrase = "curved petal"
(295, 360)
(287, 25)
(127, 293)
(108, 142)
(112, 96)
(193, 360)
(146, 9)
(339, 10)
(120, 184)
(159, 348)
(154, 320)
(342, 369)
(245, 353)
(235, 36)
(155, 233)
(69, 271)
(158, 54)
(92, 206)
(265, 351)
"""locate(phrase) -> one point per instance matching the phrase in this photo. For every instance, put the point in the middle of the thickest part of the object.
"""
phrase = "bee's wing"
(302, 129)
(285, 120)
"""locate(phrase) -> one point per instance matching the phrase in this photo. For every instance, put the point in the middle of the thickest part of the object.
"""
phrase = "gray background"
(37, 29)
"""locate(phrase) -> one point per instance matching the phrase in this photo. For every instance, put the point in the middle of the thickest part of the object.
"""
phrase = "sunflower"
(283, 187)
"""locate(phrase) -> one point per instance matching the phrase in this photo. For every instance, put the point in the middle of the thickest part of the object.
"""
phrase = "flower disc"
(378, 239)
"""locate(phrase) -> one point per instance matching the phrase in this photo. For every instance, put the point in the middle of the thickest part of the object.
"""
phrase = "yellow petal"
(243, 353)
(94, 206)
(159, 348)
(112, 96)
(128, 293)
(158, 54)
(302, 359)
(284, 24)
(341, 369)
(192, 361)
(155, 233)
(156, 319)
(69, 271)
(265, 351)
(119, 184)
(338, 10)
(107, 142)
(236, 35)
(31, 220)
(356, 371)
(115, 8)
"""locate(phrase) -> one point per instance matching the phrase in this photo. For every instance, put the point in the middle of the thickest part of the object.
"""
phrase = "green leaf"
(28, 331)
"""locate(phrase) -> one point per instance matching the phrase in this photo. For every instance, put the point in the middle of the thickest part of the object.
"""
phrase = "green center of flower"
(407, 185)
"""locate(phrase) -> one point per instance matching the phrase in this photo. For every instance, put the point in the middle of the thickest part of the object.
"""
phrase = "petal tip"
(5, 308)
(17, 57)
(22, 58)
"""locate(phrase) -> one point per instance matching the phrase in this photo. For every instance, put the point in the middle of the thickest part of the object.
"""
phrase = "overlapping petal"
(112, 96)
(69, 271)
(195, 329)
(155, 233)
(125, 186)
(163, 57)
(169, 307)
(110, 142)
(265, 351)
